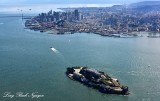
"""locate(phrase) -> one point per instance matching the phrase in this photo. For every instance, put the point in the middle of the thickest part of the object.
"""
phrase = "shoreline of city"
(115, 21)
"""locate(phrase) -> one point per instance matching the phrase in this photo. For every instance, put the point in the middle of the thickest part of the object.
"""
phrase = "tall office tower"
(76, 14)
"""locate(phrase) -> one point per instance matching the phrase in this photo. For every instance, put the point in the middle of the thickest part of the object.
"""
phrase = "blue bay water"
(27, 64)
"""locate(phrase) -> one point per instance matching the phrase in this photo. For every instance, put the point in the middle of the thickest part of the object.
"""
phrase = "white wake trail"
(60, 55)
(54, 50)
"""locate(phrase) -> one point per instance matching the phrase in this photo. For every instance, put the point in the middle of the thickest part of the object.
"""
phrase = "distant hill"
(146, 6)
(145, 3)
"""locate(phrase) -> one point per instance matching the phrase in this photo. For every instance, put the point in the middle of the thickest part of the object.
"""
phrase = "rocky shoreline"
(97, 80)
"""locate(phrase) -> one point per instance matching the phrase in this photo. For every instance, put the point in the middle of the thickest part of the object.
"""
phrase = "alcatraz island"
(115, 21)
(97, 80)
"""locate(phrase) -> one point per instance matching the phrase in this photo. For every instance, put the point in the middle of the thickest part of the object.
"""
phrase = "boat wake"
(1, 23)
(54, 50)
(60, 55)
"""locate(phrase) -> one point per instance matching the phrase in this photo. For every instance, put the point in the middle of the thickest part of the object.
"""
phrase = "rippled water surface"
(28, 64)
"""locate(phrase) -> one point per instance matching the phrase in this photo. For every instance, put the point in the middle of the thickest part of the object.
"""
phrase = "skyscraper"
(50, 12)
(76, 14)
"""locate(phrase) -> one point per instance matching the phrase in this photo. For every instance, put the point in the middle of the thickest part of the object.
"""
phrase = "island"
(97, 80)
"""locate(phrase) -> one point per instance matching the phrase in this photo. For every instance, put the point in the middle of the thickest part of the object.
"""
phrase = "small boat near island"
(53, 49)
(97, 80)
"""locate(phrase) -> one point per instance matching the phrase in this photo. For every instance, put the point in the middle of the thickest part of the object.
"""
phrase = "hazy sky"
(69, 1)
(38, 6)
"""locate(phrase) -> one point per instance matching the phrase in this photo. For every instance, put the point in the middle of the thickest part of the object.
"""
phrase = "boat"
(97, 80)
